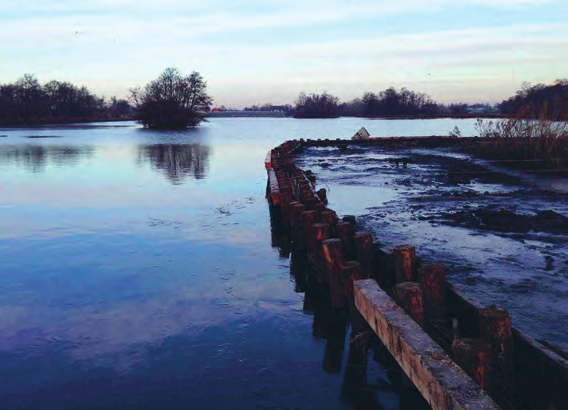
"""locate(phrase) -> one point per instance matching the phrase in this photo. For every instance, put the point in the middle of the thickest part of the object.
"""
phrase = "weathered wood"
(384, 261)
(311, 203)
(442, 383)
(495, 327)
(268, 160)
(320, 207)
(349, 272)
(474, 356)
(321, 234)
(329, 217)
(296, 214)
(540, 373)
(322, 195)
(408, 295)
(344, 231)
(363, 244)
(333, 255)
(274, 189)
(432, 277)
(308, 221)
(404, 263)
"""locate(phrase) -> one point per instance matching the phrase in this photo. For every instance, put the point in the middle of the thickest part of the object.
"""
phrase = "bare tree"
(172, 100)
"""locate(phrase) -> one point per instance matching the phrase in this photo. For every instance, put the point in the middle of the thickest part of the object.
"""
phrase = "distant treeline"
(388, 103)
(28, 102)
(539, 101)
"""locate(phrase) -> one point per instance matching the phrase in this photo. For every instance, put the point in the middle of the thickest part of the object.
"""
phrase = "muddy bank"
(502, 234)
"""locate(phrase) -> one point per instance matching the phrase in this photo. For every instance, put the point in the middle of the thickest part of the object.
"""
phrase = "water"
(469, 215)
(137, 269)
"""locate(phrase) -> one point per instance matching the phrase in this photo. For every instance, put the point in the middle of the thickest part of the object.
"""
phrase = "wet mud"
(501, 233)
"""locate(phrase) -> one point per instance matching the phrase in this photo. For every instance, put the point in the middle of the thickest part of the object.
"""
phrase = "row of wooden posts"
(340, 256)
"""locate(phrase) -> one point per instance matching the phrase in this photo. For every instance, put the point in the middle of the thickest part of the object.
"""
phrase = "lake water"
(137, 269)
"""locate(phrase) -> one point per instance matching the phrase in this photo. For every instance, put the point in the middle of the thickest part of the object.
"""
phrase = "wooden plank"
(442, 383)
(274, 189)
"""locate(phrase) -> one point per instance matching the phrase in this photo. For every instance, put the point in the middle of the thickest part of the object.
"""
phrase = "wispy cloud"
(281, 47)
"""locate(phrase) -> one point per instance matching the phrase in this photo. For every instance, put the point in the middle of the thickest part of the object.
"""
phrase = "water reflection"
(37, 158)
(330, 323)
(177, 161)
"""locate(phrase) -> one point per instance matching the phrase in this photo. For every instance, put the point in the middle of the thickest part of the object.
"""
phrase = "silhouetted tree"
(27, 101)
(539, 101)
(353, 108)
(393, 102)
(172, 101)
(317, 106)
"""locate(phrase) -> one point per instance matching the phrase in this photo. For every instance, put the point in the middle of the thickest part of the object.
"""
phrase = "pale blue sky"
(269, 51)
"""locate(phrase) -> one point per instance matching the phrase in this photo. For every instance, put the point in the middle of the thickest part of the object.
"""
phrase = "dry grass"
(521, 139)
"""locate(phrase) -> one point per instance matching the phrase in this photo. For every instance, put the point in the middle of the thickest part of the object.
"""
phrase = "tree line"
(548, 102)
(387, 103)
(26, 101)
(177, 101)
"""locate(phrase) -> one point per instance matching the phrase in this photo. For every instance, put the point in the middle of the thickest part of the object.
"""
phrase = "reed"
(521, 139)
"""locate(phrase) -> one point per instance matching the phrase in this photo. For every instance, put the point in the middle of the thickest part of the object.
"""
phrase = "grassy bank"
(526, 143)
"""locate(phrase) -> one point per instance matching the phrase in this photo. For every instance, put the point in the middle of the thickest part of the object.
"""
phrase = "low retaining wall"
(517, 371)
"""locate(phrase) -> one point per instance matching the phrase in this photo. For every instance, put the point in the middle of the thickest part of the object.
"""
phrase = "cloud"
(279, 46)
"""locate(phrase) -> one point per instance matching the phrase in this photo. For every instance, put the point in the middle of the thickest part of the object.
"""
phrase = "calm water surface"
(137, 269)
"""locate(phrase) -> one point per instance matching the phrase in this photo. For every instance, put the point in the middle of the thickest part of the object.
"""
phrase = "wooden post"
(384, 261)
(285, 197)
(442, 383)
(350, 218)
(329, 217)
(364, 253)
(322, 194)
(432, 277)
(408, 295)
(474, 357)
(311, 203)
(306, 193)
(321, 234)
(333, 255)
(320, 207)
(404, 263)
(296, 214)
(350, 271)
(344, 231)
(495, 327)
(308, 221)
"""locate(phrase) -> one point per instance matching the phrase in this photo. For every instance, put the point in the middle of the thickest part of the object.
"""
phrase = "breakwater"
(517, 371)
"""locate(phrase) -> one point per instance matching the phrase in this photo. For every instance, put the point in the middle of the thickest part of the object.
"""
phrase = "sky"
(261, 51)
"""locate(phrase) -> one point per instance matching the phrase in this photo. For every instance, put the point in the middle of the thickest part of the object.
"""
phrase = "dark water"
(137, 270)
